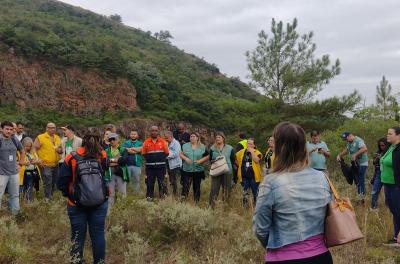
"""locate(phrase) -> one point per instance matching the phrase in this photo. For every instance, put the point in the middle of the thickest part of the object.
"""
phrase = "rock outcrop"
(41, 84)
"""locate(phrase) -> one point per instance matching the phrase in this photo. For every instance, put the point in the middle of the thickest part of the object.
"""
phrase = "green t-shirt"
(386, 163)
(354, 147)
(68, 146)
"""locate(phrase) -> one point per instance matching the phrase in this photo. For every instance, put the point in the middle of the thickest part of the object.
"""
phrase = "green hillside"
(170, 83)
(165, 77)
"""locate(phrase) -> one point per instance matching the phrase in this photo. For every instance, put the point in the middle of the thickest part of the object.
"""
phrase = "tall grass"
(169, 231)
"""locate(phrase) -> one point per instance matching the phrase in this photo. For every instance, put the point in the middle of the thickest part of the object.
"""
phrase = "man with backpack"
(82, 182)
(9, 177)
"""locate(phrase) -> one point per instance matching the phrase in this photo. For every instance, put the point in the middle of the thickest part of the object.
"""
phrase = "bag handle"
(342, 204)
(334, 191)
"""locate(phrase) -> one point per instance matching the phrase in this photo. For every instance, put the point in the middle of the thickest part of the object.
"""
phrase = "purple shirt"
(312, 246)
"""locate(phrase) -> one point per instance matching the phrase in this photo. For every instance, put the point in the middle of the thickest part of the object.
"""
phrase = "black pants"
(325, 258)
(195, 178)
(152, 174)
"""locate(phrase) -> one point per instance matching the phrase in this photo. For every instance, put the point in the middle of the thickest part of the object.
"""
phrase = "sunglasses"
(112, 139)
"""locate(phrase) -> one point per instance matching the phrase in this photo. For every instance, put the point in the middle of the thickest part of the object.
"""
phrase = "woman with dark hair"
(383, 146)
(194, 154)
(292, 203)
(82, 217)
(390, 177)
(219, 148)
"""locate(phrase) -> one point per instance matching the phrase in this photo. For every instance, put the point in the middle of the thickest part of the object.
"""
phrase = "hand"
(338, 158)
(321, 151)
(353, 157)
(188, 161)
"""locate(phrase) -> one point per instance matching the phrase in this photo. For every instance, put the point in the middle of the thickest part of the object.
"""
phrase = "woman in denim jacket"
(292, 203)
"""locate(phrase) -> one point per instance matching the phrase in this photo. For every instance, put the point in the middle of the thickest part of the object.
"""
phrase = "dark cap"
(69, 127)
(345, 135)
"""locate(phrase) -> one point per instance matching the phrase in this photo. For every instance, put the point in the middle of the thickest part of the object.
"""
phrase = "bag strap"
(342, 204)
(76, 156)
(334, 191)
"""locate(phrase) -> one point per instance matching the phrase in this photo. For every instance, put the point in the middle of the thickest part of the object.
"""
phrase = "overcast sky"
(363, 34)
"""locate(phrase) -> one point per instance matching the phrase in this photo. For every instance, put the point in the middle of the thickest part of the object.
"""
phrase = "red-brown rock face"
(41, 84)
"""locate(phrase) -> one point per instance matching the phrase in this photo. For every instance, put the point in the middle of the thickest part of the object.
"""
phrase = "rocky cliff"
(42, 84)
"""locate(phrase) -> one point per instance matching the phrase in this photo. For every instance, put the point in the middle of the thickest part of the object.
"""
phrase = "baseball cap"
(345, 135)
(113, 135)
(69, 127)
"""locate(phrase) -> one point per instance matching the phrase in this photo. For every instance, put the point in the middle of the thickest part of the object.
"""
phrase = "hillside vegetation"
(170, 83)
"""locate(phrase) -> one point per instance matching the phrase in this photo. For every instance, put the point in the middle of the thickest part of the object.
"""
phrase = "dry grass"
(169, 231)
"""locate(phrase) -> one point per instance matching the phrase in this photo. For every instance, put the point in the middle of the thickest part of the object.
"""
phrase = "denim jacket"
(174, 161)
(291, 207)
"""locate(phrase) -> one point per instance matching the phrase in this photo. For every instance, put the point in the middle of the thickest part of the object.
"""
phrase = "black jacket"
(396, 164)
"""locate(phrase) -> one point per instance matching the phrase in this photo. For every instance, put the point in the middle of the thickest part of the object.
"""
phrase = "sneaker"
(392, 243)
(149, 199)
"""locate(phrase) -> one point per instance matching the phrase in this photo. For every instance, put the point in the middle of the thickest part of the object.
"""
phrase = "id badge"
(247, 164)
(10, 157)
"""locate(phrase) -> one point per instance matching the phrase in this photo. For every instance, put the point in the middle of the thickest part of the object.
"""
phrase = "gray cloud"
(361, 33)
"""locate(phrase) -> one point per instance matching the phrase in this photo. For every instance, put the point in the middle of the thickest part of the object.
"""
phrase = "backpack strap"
(76, 156)
(13, 139)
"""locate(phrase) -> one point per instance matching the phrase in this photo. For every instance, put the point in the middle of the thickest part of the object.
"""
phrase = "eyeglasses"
(112, 139)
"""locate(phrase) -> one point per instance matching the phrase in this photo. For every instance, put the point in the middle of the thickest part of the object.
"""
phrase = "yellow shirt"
(256, 166)
(23, 168)
(48, 149)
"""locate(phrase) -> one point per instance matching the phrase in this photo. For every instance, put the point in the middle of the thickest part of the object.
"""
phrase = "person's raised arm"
(341, 154)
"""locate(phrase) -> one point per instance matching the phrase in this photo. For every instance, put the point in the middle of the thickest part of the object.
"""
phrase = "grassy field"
(168, 231)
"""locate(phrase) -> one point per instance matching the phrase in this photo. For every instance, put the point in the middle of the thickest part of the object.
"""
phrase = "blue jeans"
(361, 180)
(81, 218)
(392, 199)
(12, 185)
(376, 189)
(28, 186)
(134, 173)
(248, 184)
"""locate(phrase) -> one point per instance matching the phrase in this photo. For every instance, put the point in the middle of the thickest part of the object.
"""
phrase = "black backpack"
(89, 188)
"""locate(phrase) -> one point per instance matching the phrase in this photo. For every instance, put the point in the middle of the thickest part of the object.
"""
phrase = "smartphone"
(319, 149)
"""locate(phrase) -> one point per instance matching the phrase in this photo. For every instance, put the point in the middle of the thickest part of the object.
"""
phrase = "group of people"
(288, 183)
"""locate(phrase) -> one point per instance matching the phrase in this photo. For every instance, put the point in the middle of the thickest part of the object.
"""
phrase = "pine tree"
(385, 101)
(285, 67)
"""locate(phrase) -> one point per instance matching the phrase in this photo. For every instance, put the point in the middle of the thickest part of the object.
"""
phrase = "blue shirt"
(317, 160)
(174, 160)
(291, 207)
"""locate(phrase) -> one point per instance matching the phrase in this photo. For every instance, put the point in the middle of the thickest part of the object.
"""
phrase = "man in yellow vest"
(249, 170)
(48, 148)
